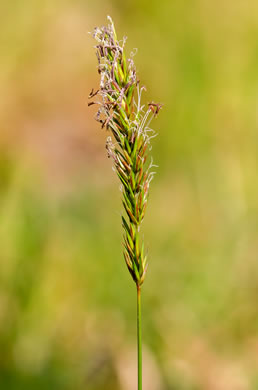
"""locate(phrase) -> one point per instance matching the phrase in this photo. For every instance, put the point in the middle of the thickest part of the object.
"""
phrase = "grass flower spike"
(121, 111)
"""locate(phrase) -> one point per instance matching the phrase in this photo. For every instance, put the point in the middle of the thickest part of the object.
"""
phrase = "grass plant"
(121, 111)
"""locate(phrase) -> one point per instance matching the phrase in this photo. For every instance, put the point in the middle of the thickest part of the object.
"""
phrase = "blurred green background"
(67, 302)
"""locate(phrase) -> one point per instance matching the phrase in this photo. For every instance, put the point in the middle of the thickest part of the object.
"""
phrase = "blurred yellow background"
(67, 302)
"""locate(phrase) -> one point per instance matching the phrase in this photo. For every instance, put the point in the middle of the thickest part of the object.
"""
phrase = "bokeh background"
(67, 303)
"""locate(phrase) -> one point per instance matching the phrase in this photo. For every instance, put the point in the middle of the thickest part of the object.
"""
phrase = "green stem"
(139, 337)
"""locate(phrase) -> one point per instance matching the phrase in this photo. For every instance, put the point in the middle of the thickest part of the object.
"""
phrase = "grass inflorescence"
(121, 111)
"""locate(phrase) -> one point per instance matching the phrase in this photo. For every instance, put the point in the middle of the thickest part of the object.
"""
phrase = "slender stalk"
(139, 337)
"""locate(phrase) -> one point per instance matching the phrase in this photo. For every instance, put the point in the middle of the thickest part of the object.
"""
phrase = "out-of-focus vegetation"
(67, 304)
